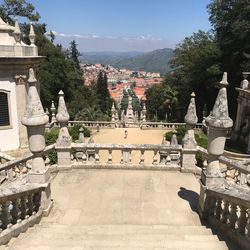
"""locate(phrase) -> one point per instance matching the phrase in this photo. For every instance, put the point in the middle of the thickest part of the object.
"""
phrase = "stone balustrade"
(134, 156)
(20, 209)
(228, 209)
(14, 168)
(88, 124)
(166, 125)
(237, 172)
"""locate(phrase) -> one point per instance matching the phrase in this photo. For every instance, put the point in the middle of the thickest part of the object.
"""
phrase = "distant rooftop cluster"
(118, 79)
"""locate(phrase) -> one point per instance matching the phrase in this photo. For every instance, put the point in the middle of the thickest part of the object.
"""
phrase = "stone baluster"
(189, 143)
(16, 212)
(129, 156)
(242, 220)
(63, 143)
(84, 156)
(24, 207)
(81, 139)
(218, 123)
(218, 210)
(233, 215)
(110, 159)
(248, 224)
(37, 201)
(155, 157)
(30, 205)
(225, 212)
(53, 112)
(35, 119)
(142, 157)
(97, 156)
(6, 215)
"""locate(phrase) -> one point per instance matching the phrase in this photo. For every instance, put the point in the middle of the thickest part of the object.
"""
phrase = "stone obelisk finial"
(62, 117)
(218, 123)
(32, 35)
(35, 119)
(190, 120)
(17, 33)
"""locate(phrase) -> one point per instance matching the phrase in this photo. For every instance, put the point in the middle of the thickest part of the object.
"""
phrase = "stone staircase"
(119, 237)
(120, 210)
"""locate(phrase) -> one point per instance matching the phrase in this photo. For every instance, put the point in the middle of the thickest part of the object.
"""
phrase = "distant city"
(119, 79)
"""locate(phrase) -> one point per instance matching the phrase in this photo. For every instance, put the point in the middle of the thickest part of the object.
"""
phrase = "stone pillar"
(35, 119)
(218, 123)
(143, 113)
(189, 143)
(113, 112)
(53, 112)
(63, 143)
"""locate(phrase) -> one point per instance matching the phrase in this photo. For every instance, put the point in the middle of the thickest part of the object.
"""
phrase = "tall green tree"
(104, 99)
(74, 54)
(197, 69)
(161, 100)
(231, 25)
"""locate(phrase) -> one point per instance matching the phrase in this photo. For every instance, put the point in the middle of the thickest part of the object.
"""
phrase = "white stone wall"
(9, 137)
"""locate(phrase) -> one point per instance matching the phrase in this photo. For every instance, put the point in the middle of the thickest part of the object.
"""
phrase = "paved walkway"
(135, 135)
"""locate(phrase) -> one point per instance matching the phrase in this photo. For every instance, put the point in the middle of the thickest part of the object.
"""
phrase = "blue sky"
(123, 25)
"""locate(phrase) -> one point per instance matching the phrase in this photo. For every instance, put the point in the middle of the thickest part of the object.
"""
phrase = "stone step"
(114, 244)
(127, 229)
(127, 237)
(117, 248)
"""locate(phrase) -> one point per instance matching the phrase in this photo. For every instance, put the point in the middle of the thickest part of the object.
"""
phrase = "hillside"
(107, 57)
(153, 61)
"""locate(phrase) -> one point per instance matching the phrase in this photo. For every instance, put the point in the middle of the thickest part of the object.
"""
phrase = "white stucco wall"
(9, 137)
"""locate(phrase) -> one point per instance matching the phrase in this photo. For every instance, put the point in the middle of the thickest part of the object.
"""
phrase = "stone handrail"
(235, 171)
(88, 124)
(16, 167)
(20, 209)
(228, 209)
(144, 156)
(166, 125)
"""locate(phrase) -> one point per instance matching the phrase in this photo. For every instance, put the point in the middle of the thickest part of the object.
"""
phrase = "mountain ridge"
(153, 61)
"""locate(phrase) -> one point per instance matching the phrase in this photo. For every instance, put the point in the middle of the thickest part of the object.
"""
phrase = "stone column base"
(39, 177)
(189, 161)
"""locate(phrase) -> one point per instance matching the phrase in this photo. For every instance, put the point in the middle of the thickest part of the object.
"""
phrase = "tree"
(231, 25)
(102, 92)
(9, 9)
(197, 69)
(161, 99)
(74, 54)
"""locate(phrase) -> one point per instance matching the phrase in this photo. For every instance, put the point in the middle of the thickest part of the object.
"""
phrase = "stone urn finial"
(191, 116)
(53, 112)
(62, 115)
(17, 33)
(32, 36)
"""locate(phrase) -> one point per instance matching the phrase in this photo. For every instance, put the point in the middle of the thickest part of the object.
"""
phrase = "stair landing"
(122, 210)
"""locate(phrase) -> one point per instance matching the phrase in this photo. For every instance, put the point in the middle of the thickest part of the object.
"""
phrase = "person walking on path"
(125, 134)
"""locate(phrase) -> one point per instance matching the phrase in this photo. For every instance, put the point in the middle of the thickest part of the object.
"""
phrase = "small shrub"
(200, 138)
(52, 135)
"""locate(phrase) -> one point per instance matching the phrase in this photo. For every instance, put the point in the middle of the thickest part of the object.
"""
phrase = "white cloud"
(131, 39)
